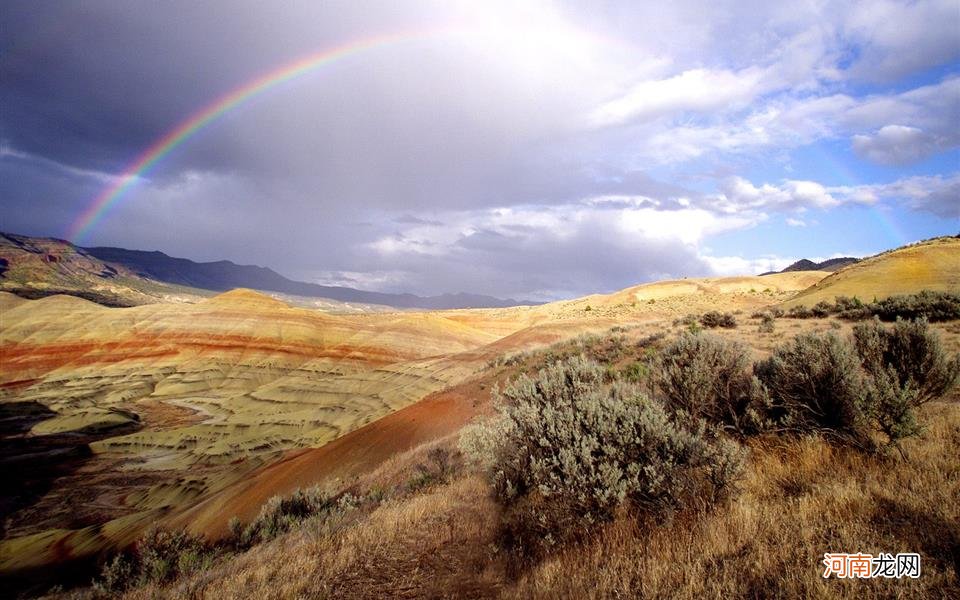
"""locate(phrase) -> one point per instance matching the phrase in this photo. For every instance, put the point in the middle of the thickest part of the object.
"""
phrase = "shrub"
(705, 376)
(766, 324)
(933, 306)
(437, 469)
(908, 367)
(911, 352)
(636, 372)
(815, 384)
(845, 303)
(567, 452)
(279, 514)
(650, 341)
(157, 557)
(821, 309)
(714, 319)
(799, 312)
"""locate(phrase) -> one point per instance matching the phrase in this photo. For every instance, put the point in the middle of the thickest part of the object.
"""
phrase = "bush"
(707, 377)
(714, 319)
(766, 324)
(438, 469)
(568, 452)
(844, 303)
(932, 306)
(157, 557)
(800, 312)
(821, 309)
(279, 514)
(815, 384)
(907, 367)
(909, 352)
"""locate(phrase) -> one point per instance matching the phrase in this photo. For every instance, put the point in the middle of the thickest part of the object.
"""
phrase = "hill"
(225, 275)
(187, 414)
(171, 410)
(36, 267)
(929, 265)
(831, 264)
(39, 267)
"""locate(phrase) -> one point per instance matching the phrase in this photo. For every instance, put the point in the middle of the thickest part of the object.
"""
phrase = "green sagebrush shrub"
(279, 514)
(908, 367)
(714, 319)
(708, 377)
(566, 452)
(158, 556)
(822, 382)
(929, 305)
(815, 383)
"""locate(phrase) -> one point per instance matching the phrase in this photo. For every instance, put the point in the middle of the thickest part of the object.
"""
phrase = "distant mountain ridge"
(226, 275)
(831, 264)
(61, 258)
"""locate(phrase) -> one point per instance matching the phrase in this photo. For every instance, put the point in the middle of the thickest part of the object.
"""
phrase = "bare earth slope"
(187, 413)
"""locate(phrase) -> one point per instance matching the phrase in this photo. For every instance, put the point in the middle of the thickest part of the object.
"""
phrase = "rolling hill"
(929, 265)
(189, 413)
(36, 267)
(225, 275)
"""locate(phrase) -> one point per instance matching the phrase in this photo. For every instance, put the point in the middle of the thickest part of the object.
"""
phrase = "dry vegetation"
(426, 524)
(799, 499)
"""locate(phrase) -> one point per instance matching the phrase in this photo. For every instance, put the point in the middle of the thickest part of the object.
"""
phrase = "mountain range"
(57, 266)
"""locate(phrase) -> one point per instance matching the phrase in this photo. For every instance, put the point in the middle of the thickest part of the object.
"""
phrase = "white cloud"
(737, 265)
(737, 195)
(936, 194)
(792, 222)
(895, 145)
(698, 90)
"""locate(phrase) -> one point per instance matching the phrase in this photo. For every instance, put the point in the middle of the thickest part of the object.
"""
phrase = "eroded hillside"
(166, 411)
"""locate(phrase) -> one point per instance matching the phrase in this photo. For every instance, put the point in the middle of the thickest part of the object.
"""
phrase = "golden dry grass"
(433, 545)
(799, 499)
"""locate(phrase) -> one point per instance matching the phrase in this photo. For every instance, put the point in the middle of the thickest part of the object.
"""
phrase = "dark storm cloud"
(392, 168)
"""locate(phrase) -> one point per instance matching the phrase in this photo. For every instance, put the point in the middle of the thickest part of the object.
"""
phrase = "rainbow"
(222, 105)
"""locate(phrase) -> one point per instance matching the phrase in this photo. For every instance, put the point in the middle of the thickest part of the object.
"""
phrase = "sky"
(535, 150)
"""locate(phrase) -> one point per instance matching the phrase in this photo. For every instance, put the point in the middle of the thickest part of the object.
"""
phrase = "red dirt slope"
(345, 458)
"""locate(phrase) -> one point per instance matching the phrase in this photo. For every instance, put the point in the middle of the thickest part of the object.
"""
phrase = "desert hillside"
(931, 265)
(173, 404)
(191, 414)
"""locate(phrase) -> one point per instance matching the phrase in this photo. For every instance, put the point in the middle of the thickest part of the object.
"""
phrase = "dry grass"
(800, 498)
(436, 544)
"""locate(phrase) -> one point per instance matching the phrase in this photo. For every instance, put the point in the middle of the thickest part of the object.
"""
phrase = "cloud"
(698, 90)
(536, 148)
(737, 265)
(896, 38)
(739, 195)
(895, 145)
(936, 194)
